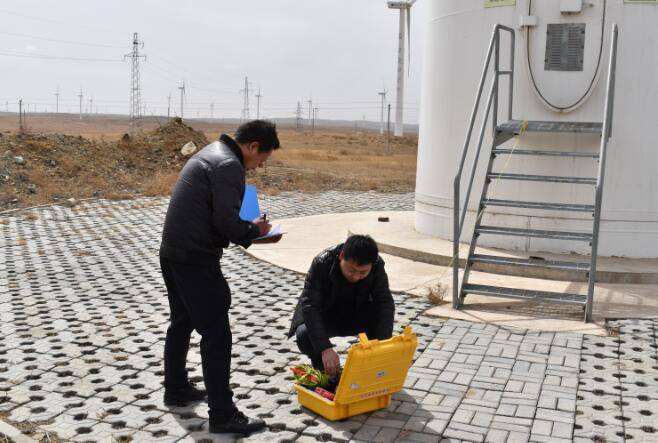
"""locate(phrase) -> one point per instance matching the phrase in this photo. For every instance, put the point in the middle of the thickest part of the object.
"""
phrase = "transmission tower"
(21, 127)
(168, 104)
(382, 94)
(298, 115)
(56, 94)
(310, 108)
(135, 86)
(258, 96)
(182, 98)
(80, 97)
(245, 103)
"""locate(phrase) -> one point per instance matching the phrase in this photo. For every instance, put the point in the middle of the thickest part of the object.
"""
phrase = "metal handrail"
(606, 132)
(492, 101)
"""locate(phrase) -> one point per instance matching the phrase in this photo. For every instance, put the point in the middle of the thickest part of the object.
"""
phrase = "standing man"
(202, 219)
(346, 292)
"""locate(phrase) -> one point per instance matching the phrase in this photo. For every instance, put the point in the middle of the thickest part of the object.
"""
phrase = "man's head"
(357, 258)
(257, 140)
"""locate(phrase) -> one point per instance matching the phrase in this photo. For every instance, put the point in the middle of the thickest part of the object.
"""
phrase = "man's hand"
(331, 361)
(274, 239)
(263, 225)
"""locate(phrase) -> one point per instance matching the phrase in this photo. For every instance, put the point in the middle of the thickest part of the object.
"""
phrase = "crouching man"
(345, 293)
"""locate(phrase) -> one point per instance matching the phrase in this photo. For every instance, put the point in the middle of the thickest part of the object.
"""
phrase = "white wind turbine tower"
(404, 27)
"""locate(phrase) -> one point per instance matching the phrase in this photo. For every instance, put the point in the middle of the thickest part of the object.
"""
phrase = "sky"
(340, 53)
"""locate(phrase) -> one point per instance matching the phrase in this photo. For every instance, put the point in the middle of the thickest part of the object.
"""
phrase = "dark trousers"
(199, 298)
(306, 347)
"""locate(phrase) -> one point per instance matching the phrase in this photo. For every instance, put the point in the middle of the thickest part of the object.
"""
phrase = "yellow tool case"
(374, 370)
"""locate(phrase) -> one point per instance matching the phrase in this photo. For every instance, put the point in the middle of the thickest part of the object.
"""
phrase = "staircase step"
(544, 178)
(539, 205)
(537, 233)
(504, 151)
(531, 262)
(525, 294)
(514, 127)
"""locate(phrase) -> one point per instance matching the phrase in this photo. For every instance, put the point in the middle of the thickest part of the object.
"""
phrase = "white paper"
(276, 230)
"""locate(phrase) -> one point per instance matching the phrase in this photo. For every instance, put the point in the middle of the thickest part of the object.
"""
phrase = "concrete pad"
(306, 236)
(398, 237)
(610, 301)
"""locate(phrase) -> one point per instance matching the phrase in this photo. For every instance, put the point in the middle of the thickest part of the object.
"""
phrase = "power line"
(56, 40)
(54, 57)
(192, 73)
(165, 74)
(95, 27)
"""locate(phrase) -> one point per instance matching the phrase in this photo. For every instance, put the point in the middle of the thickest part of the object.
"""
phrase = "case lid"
(375, 367)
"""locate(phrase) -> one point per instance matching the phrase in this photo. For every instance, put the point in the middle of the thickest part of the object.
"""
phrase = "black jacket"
(330, 303)
(203, 215)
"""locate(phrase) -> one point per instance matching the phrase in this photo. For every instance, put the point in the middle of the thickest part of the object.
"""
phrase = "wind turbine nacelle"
(397, 5)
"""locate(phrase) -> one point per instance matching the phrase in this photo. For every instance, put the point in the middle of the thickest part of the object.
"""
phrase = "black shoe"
(238, 424)
(183, 396)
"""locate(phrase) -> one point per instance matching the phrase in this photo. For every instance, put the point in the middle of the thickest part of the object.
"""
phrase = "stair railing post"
(457, 226)
(511, 75)
(459, 214)
(490, 100)
(494, 115)
(605, 132)
(455, 246)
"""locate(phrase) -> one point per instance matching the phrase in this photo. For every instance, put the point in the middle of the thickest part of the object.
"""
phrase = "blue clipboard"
(250, 209)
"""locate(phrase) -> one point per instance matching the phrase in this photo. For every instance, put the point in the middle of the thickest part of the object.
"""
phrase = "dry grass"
(160, 184)
(31, 429)
(102, 164)
(436, 295)
(116, 196)
(346, 161)
(613, 331)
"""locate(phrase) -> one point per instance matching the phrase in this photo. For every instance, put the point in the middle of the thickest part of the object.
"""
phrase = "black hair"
(261, 131)
(361, 249)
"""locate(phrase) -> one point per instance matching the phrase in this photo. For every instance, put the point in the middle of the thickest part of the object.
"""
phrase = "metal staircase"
(503, 132)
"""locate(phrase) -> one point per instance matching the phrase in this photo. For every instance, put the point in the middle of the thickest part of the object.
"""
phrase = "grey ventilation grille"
(565, 47)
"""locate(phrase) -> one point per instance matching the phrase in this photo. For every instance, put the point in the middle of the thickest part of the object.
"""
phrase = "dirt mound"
(168, 138)
(45, 168)
(42, 168)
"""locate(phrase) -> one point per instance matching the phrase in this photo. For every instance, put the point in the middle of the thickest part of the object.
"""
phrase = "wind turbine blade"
(411, 2)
